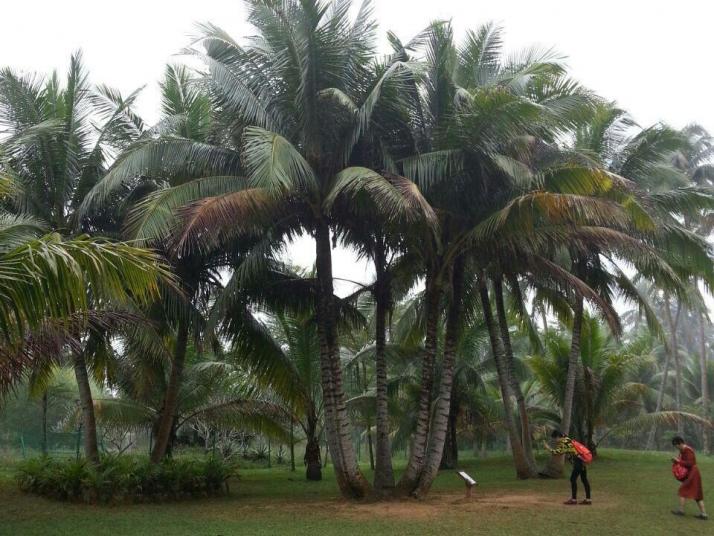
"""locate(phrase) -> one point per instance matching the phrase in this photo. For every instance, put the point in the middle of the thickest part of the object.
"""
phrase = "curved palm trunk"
(519, 455)
(417, 452)
(706, 445)
(350, 479)
(554, 468)
(383, 470)
(442, 409)
(515, 386)
(89, 423)
(165, 428)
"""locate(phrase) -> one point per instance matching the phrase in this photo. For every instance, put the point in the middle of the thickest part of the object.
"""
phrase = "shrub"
(124, 479)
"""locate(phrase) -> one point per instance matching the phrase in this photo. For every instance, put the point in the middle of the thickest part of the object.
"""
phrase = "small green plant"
(125, 479)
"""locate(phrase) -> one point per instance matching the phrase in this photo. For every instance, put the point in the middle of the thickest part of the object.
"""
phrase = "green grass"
(633, 494)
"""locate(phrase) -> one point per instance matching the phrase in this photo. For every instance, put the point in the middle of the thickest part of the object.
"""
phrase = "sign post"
(470, 482)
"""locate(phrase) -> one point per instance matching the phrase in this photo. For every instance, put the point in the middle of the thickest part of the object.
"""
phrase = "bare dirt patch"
(441, 504)
(437, 504)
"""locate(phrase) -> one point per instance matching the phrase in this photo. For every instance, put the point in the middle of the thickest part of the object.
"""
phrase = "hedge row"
(121, 479)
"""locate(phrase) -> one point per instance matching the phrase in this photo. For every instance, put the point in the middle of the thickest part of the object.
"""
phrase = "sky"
(652, 57)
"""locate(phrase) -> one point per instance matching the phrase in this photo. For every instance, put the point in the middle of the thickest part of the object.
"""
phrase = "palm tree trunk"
(660, 400)
(350, 479)
(519, 456)
(554, 468)
(573, 364)
(515, 385)
(292, 445)
(44, 423)
(167, 418)
(370, 448)
(313, 463)
(673, 327)
(703, 369)
(442, 408)
(383, 470)
(450, 458)
(417, 452)
(591, 438)
(89, 423)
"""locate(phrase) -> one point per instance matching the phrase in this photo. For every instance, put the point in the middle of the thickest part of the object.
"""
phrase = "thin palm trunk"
(554, 468)
(44, 423)
(660, 400)
(165, 428)
(525, 435)
(706, 445)
(519, 455)
(350, 479)
(678, 382)
(417, 452)
(573, 365)
(442, 409)
(674, 343)
(292, 445)
(383, 470)
(89, 423)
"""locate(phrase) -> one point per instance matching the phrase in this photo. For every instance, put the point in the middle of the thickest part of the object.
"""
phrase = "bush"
(124, 479)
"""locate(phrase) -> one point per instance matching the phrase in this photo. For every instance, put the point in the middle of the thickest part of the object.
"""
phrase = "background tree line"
(538, 258)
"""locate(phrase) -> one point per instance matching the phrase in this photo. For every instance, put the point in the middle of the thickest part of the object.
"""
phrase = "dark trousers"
(579, 470)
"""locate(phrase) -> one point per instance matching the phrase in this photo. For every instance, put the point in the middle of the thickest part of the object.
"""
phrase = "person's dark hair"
(556, 434)
(677, 440)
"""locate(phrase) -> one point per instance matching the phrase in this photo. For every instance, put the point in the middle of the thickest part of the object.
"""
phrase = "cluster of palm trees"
(488, 192)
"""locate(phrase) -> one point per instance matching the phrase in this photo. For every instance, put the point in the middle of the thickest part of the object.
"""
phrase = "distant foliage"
(122, 479)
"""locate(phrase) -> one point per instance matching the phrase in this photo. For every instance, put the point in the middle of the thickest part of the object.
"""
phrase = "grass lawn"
(633, 494)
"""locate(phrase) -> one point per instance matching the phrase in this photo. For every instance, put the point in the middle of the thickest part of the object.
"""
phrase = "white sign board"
(469, 481)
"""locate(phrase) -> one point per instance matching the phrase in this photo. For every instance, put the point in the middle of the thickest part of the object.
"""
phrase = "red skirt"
(691, 488)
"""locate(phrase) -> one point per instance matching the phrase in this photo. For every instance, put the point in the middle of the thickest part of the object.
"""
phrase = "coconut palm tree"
(297, 100)
(643, 159)
(484, 123)
(59, 140)
(187, 114)
(46, 310)
(695, 161)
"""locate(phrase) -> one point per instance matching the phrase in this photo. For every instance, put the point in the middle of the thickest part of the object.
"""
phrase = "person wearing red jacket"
(565, 447)
(691, 487)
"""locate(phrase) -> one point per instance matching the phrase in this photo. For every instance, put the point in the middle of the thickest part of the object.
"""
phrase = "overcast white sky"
(653, 57)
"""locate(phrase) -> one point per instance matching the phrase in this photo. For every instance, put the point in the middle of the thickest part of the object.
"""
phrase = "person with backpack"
(579, 456)
(687, 472)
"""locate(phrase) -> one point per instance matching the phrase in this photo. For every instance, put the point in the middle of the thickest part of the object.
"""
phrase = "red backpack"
(583, 452)
(680, 472)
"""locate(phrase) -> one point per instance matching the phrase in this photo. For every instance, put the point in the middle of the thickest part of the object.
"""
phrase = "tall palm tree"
(695, 161)
(187, 117)
(481, 129)
(296, 100)
(641, 160)
(60, 138)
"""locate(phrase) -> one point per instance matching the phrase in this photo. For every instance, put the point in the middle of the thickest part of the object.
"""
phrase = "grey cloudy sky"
(653, 57)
